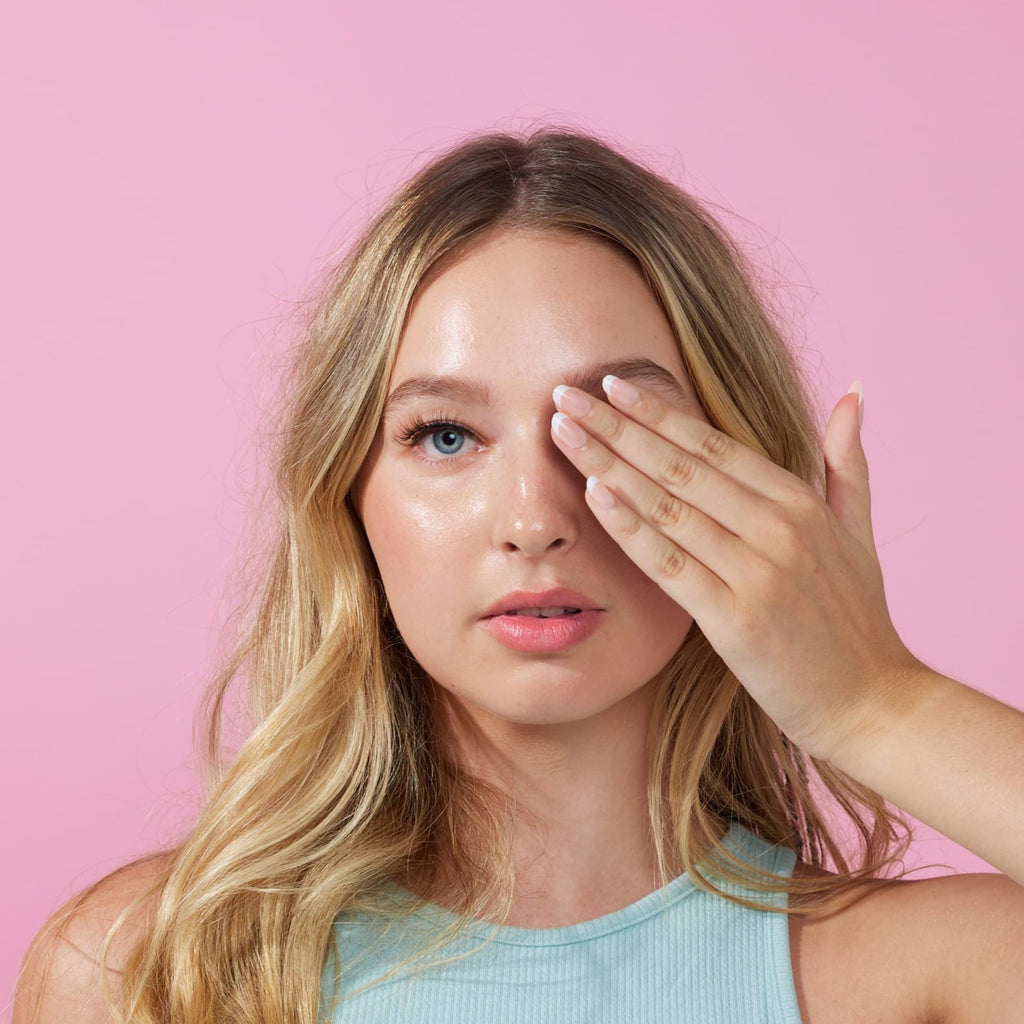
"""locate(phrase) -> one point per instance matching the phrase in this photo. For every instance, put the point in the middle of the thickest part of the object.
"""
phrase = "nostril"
(536, 512)
(535, 545)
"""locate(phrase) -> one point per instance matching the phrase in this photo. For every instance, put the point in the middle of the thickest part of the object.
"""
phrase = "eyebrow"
(473, 391)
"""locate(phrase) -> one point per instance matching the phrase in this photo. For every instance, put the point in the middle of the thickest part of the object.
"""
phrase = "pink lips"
(534, 635)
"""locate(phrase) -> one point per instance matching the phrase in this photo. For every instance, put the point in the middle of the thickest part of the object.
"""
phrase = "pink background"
(174, 175)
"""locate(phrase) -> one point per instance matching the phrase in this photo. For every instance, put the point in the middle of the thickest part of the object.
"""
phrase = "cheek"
(422, 542)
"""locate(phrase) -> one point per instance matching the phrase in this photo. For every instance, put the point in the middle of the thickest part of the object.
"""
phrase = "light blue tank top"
(678, 955)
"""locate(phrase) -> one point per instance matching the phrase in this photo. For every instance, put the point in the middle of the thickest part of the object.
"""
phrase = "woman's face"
(479, 512)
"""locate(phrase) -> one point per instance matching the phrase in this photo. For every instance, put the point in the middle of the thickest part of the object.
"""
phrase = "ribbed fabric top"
(678, 955)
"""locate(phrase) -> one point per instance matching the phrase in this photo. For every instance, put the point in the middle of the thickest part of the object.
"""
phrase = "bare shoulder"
(61, 978)
(946, 950)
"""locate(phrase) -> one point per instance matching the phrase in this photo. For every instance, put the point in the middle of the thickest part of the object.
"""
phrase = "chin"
(550, 708)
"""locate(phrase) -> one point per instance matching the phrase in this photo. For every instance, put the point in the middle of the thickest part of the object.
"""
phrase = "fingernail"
(568, 432)
(603, 498)
(622, 391)
(575, 403)
(858, 387)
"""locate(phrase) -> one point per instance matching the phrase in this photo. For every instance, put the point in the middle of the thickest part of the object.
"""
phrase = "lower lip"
(534, 635)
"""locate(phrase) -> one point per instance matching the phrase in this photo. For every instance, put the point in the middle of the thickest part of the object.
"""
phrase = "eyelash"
(414, 432)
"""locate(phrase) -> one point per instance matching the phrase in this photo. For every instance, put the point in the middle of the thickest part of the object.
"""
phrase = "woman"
(570, 662)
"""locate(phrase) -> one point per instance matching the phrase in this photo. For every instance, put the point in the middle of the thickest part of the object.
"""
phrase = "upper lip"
(558, 597)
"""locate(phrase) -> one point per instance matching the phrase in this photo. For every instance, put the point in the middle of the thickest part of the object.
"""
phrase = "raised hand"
(786, 587)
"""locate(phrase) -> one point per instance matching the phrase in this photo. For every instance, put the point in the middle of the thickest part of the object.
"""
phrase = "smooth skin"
(698, 528)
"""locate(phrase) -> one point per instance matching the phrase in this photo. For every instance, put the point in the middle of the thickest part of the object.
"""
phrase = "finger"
(713, 491)
(686, 526)
(690, 583)
(847, 488)
(755, 471)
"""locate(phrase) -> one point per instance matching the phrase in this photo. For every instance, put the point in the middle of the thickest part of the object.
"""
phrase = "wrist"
(885, 728)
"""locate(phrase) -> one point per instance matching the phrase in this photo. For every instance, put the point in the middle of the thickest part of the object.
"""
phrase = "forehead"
(533, 307)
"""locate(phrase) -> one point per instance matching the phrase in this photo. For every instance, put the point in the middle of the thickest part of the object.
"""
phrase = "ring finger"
(665, 513)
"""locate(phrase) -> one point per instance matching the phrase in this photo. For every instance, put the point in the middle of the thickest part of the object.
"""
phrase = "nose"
(539, 501)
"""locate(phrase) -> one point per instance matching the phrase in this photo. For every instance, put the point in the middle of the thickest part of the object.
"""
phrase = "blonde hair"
(342, 786)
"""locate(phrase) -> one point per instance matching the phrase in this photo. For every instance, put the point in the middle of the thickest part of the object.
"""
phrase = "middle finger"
(668, 467)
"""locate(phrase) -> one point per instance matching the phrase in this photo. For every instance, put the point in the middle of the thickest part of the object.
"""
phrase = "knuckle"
(789, 541)
(717, 448)
(678, 468)
(671, 562)
(631, 527)
(667, 511)
(810, 517)
(612, 426)
(602, 461)
(655, 411)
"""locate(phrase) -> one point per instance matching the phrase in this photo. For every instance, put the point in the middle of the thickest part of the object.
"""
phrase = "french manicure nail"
(620, 390)
(575, 403)
(603, 498)
(568, 432)
(858, 388)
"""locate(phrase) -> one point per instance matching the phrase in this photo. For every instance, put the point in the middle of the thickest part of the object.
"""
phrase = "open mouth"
(548, 630)
(544, 613)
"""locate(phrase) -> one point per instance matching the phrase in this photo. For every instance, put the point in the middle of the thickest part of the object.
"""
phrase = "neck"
(580, 841)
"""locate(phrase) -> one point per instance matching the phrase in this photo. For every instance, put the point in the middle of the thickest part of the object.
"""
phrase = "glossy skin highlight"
(481, 502)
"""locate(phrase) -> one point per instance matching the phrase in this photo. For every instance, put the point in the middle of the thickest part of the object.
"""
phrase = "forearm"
(953, 758)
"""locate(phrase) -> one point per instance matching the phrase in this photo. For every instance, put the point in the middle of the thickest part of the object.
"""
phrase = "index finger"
(724, 453)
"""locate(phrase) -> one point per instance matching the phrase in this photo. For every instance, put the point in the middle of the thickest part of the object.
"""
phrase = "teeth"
(544, 613)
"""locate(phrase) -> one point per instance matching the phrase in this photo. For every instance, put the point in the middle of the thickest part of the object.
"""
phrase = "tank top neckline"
(654, 903)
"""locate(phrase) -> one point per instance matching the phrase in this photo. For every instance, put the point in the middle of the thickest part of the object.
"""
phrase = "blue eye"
(445, 438)
(447, 441)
